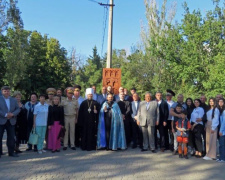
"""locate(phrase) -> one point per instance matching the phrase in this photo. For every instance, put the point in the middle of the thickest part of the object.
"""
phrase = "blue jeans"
(41, 131)
(222, 147)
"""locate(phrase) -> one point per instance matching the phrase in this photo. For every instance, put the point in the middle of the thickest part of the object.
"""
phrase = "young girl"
(221, 107)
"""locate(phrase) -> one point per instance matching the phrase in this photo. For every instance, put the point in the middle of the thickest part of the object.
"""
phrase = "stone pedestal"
(112, 77)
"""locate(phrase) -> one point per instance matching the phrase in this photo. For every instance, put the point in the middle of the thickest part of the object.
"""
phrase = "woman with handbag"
(40, 122)
(197, 127)
(29, 106)
(55, 123)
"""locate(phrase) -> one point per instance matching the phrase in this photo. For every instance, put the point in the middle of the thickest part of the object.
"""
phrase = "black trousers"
(198, 132)
(166, 135)
(137, 136)
(161, 130)
(171, 137)
(127, 129)
(10, 130)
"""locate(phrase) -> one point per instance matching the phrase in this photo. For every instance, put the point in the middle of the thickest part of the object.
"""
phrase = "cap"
(51, 91)
(69, 90)
(170, 92)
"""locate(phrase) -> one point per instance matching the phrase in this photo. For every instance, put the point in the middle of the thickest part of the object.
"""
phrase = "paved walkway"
(130, 164)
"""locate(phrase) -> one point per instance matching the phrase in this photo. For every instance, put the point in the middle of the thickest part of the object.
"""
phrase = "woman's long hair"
(192, 106)
(221, 109)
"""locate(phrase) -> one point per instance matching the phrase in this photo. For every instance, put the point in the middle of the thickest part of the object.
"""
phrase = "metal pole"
(110, 33)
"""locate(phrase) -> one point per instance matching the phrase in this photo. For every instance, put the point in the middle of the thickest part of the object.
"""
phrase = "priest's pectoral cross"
(89, 110)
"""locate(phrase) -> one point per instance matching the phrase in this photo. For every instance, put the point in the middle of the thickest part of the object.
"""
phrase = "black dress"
(87, 122)
(21, 127)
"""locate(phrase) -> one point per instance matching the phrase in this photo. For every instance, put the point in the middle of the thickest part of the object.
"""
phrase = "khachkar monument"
(111, 76)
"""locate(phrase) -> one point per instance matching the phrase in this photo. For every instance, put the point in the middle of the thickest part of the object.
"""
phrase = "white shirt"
(7, 101)
(136, 104)
(159, 102)
(170, 103)
(42, 114)
(215, 120)
(197, 113)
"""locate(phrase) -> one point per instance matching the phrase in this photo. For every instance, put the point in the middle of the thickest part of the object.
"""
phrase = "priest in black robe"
(126, 110)
(87, 121)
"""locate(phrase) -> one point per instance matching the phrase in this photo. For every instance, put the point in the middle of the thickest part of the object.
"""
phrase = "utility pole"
(110, 35)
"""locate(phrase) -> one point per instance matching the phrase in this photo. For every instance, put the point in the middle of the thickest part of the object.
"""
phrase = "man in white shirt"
(170, 102)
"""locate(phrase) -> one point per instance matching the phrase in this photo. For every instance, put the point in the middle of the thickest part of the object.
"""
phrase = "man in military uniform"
(70, 113)
(51, 92)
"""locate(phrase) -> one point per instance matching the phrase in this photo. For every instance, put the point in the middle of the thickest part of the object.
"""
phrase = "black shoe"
(180, 156)
(14, 155)
(28, 149)
(197, 156)
(162, 149)
(144, 150)
(65, 148)
(57, 150)
(53, 151)
(134, 146)
(185, 157)
(18, 151)
(35, 150)
(73, 148)
(153, 151)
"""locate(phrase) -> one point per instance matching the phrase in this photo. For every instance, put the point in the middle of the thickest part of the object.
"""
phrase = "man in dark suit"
(9, 109)
(136, 130)
(125, 108)
(163, 117)
(102, 97)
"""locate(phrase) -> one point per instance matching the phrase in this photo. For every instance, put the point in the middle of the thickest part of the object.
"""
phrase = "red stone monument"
(112, 77)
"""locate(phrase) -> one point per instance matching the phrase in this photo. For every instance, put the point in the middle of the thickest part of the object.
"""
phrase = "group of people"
(114, 122)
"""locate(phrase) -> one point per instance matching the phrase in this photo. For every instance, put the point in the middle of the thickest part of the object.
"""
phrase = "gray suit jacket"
(148, 116)
(14, 108)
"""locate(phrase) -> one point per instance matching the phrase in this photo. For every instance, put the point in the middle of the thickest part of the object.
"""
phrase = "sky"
(79, 23)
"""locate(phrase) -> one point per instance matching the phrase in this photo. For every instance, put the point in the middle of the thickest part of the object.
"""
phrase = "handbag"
(61, 133)
(33, 138)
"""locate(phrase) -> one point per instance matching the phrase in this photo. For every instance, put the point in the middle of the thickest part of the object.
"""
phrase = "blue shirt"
(42, 114)
(222, 123)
